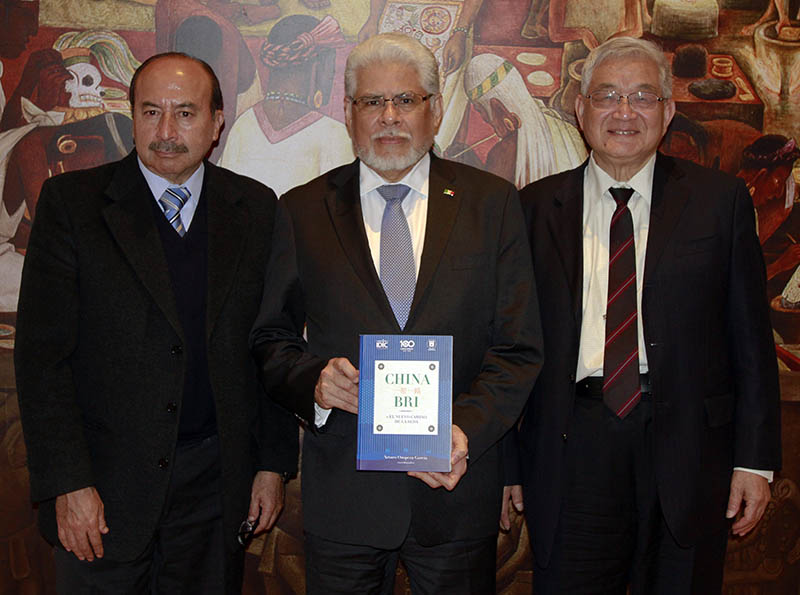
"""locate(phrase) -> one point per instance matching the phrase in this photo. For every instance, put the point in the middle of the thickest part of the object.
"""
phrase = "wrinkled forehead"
(632, 73)
(165, 75)
(172, 67)
(375, 77)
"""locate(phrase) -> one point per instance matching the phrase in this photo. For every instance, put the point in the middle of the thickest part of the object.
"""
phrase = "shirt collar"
(416, 179)
(157, 184)
(641, 182)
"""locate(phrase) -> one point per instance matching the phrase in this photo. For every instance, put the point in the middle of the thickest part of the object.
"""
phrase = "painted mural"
(510, 72)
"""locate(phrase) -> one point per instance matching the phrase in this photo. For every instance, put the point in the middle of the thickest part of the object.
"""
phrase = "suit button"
(172, 407)
(564, 437)
(163, 463)
(572, 377)
(176, 350)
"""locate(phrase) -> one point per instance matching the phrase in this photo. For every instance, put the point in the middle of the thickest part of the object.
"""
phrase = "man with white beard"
(453, 237)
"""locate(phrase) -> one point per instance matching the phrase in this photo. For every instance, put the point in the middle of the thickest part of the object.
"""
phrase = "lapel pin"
(448, 192)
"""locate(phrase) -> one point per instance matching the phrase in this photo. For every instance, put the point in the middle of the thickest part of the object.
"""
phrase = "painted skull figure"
(84, 86)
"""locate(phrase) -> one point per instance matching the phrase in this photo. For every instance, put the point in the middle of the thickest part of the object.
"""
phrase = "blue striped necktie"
(397, 266)
(172, 202)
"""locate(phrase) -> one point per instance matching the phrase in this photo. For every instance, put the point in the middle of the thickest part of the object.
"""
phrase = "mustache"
(389, 134)
(165, 146)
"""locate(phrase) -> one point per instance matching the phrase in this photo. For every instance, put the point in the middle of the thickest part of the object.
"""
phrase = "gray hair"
(628, 47)
(392, 48)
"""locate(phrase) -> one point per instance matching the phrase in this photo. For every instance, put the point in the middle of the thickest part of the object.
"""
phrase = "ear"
(347, 105)
(757, 182)
(752, 177)
(219, 120)
(669, 112)
(437, 112)
(580, 105)
(762, 173)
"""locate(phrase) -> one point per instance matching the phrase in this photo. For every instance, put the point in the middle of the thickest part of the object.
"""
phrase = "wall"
(284, 126)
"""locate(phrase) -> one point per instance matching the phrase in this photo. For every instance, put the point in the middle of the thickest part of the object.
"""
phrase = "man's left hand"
(512, 497)
(458, 464)
(753, 490)
(266, 500)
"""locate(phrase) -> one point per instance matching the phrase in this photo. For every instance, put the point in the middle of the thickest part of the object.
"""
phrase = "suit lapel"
(442, 211)
(670, 193)
(227, 233)
(565, 223)
(130, 220)
(344, 206)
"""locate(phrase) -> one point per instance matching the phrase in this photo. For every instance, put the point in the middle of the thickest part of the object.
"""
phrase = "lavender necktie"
(397, 267)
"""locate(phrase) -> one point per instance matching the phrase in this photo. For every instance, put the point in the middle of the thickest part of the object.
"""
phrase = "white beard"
(393, 162)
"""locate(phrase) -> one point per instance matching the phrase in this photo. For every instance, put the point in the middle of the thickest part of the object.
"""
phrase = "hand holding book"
(458, 461)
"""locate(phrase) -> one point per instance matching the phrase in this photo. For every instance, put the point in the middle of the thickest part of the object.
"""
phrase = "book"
(405, 397)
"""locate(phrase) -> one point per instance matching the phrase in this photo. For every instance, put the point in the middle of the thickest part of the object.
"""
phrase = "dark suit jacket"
(99, 348)
(708, 339)
(475, 283)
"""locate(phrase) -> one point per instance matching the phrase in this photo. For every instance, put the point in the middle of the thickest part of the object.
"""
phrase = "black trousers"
(186, 554)
(611, 530)
(455, 568)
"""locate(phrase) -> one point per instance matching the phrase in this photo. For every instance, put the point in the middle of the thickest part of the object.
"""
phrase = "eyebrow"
(186, 104)
(406, 92)
(642, 87)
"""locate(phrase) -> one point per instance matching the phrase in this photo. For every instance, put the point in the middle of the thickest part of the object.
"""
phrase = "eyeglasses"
(405, 102)
(639, 100)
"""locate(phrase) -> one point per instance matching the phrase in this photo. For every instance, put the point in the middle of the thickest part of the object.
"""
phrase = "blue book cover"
(405, 397)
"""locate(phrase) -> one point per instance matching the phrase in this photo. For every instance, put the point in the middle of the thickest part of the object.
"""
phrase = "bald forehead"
(165, 64)
(174, 69)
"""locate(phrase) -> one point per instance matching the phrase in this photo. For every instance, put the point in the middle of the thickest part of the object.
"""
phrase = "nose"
(389, 114)
(166, 126)
(624, 110)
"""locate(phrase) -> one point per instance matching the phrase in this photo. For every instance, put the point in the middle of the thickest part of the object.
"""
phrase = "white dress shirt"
(194, 185)
(415, 208)
(598, 207)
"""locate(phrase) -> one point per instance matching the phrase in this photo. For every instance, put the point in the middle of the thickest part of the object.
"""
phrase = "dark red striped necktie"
(621, 386)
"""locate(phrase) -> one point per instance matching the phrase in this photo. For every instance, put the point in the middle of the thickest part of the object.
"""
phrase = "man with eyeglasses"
(463, 257)
(654, 424)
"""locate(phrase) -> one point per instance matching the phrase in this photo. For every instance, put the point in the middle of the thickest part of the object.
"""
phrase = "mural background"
(511, 70)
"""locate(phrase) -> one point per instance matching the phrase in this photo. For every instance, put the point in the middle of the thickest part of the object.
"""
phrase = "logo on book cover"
(431, 344)
(407, 344)
(381, 344)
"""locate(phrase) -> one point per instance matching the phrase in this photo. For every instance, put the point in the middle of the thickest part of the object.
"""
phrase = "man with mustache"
(149, 440)
(454, 236)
